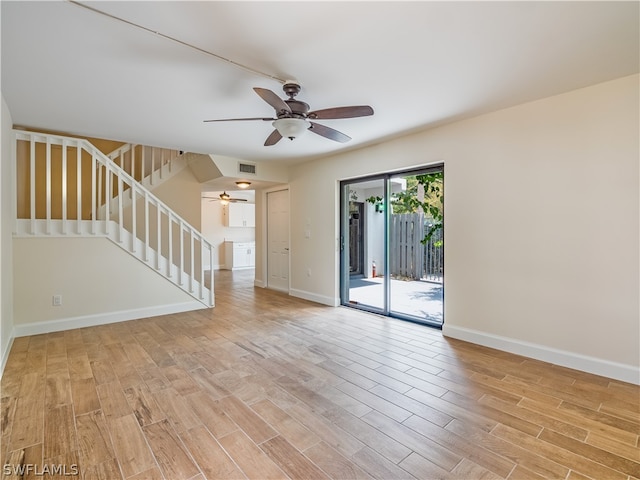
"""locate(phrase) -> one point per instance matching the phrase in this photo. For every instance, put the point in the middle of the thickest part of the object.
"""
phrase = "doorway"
(392, 244)
(278, 240)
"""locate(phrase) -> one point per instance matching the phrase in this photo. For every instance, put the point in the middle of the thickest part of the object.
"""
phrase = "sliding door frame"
(344, 243)
(344, 239)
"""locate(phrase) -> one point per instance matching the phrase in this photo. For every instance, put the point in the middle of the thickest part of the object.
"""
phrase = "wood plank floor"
(266, 386)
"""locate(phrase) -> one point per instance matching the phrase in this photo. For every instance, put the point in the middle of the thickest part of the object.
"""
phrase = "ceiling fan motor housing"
(291, 88)
(298, 109)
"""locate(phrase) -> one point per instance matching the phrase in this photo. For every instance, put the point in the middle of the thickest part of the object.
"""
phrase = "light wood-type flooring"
(266, 386)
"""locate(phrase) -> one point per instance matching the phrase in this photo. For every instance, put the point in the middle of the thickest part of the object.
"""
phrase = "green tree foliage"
(407, 201)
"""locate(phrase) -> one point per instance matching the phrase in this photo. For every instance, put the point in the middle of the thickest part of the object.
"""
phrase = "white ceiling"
(418, 64)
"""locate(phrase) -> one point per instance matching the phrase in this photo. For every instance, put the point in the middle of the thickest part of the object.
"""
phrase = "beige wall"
(541, 222)
(182, 194)
(95, 278)
(6, 225)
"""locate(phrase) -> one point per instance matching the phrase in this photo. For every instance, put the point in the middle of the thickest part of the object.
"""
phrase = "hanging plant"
(376, 202)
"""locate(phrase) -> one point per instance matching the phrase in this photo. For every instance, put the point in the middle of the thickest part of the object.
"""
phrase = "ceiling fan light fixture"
(243, 184)
(291, 127)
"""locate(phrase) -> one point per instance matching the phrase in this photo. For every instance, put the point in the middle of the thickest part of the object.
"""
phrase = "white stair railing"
(68, 187)
(141, 161)
(149, 166)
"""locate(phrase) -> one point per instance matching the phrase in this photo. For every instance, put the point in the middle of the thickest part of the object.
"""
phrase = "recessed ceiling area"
(418, 64)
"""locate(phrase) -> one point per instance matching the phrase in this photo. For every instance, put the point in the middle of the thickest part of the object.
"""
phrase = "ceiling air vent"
(247, 168)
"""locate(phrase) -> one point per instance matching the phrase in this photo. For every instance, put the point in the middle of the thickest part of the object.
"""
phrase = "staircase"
(149, 166)
(67, 187)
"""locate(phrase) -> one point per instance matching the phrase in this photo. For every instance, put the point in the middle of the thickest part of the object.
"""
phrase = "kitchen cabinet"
(239, 255)
(240, 214)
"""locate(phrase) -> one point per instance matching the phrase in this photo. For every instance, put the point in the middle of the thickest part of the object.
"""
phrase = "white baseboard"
(49, 326)
(313, 297)
(5, 354)
(259, 283)
(597, 366)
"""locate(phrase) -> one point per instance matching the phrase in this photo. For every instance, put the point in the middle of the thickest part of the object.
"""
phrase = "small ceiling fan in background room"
(224, 198)
(293, 117)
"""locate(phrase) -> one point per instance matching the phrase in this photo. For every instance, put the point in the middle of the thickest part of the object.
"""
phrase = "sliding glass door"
(392, 246)
(363, 245)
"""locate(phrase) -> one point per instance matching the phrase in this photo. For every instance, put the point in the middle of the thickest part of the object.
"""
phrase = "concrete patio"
(420, 299)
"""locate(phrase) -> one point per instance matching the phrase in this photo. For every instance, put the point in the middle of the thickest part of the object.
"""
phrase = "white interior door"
(278, 240)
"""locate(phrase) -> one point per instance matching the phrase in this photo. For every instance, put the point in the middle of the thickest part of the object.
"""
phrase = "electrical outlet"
(57, 300)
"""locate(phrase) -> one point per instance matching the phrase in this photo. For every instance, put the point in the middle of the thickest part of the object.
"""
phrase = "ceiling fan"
(225, 198)
(293, 117)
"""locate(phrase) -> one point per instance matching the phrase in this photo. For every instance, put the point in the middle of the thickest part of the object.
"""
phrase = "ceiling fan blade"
(273, 138)
(272, 99)
(329, 133)
(237, 199)
(342, 112)
(241, 119)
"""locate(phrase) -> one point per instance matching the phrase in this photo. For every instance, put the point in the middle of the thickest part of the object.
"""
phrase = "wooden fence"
(410, 258)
